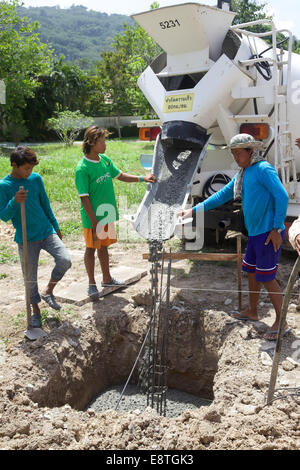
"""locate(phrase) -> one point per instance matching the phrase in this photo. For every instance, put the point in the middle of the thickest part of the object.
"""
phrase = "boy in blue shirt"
(265, 203)
(42, 227)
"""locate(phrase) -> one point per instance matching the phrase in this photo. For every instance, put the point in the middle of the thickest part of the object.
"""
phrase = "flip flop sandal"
(36, 320)
(113, 283)
(51, 301)
(93, 292)
(275, 333)
(241, 316)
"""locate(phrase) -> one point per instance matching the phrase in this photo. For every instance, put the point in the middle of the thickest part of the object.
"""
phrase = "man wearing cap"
(265, 203)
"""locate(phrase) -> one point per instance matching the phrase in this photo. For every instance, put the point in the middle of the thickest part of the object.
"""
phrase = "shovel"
(31, 333)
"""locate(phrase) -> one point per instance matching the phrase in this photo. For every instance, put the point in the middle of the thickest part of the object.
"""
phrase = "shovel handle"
(25, 255)
(283, 315)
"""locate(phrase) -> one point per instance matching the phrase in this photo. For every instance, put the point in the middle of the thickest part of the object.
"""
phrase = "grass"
(70, 226)
(46, 316)
(7, 254)
(57, 168)
(19, 318)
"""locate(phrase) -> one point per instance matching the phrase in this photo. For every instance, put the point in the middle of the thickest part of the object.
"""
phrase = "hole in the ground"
(97, 358)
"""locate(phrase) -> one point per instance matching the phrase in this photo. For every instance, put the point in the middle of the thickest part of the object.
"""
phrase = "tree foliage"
(22, 58)
(77, 33)
(68, 125)
(65, 87)
(250, 10)
(117, 72)
(41, 85)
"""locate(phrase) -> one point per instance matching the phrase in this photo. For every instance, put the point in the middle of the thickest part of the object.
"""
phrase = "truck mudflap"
(178, 154)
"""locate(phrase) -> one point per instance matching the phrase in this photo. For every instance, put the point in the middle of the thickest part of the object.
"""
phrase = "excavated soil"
(46, 384)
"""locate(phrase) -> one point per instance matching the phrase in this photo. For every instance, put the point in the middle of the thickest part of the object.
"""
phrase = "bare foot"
(46, 292)
(245, 314)
(272, 333)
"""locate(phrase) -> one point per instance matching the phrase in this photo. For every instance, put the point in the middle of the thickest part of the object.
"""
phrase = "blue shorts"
(261, 259)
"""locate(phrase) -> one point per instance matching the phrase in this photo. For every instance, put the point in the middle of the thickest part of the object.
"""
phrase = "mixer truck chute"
(213, 81)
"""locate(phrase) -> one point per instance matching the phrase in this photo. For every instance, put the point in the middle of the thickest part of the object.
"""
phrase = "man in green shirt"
(94, 181)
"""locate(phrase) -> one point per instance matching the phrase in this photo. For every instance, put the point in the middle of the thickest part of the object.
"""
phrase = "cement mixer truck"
(212, 81)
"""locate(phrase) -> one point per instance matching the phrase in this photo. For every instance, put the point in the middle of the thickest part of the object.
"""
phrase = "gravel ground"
(177, 401)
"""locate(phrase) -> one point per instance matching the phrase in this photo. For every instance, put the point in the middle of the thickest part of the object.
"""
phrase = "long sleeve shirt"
(40, 220)
(264, 199)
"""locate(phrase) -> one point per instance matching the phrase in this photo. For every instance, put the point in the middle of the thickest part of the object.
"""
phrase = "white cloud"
(283, 20)
(290, 25)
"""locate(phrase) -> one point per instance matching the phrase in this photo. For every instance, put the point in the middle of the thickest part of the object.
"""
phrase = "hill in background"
(76, 32)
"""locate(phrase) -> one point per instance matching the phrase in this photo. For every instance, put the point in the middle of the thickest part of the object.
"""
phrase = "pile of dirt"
(46, 384)
(7, 233)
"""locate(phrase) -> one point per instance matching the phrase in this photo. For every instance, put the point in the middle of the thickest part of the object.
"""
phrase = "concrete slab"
(76, 293)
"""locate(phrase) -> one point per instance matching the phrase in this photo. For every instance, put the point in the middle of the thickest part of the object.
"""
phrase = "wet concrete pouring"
(174, 168)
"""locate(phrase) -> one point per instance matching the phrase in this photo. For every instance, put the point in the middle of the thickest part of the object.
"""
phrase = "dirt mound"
(7, 233)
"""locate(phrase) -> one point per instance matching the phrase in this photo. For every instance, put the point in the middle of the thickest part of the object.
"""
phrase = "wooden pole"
(199, 256)
(25, 254)
(237, 257)
(239, 269)
(282, 321)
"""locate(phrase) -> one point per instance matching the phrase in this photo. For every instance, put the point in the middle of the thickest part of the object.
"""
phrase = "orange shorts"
(105, 237)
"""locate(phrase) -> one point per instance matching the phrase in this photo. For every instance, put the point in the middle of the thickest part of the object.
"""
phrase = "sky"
(286, 12)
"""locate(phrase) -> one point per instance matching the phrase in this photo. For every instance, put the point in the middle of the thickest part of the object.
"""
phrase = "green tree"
(64, 87)
(68, 125)
(22, 58)
(249, 10)
(77, 33)
(117, 72)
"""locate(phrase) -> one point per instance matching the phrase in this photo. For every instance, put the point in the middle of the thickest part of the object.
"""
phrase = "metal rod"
(134, 366)
(153, 344)
(282, 321)
(166, 336)
(155, 372)
(150, 351)
(167, 326)
(136, 361)
(160, 334)
(152, 339)
(239, 269)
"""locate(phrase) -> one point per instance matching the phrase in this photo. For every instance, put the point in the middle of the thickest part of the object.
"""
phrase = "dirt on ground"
(47, 384)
